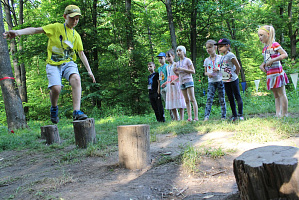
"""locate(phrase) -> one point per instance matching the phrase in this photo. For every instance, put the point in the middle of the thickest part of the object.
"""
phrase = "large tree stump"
(269, 172)
(84, 132)
(134, 146)
(50, 133)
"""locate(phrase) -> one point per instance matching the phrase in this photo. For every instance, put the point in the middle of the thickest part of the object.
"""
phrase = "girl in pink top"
(184, 69)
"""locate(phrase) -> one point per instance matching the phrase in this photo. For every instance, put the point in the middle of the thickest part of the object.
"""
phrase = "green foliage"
(121, 72)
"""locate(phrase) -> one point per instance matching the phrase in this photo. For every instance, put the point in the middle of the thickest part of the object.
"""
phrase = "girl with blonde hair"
(184, 69)
(273, 53)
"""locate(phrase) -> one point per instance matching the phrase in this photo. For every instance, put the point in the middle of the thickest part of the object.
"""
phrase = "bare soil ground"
(26, 175)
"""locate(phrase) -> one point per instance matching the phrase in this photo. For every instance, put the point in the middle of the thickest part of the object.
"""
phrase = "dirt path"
(25, 175)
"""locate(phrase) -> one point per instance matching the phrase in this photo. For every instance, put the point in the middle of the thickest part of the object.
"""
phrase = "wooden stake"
(50, 133)
(134, 146)
(84, 132)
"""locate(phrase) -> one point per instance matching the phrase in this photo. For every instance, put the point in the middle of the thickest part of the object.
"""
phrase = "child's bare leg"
(54, 94)
(284, 103)
(281, 101)
(75, 82)
(181, 113)
(193, 101)
(188, 104)
(175, 114)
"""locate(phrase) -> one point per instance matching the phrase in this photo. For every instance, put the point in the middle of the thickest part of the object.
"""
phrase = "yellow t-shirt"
(62, 44)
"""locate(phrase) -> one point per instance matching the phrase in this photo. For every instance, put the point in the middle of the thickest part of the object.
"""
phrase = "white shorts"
(56, 72)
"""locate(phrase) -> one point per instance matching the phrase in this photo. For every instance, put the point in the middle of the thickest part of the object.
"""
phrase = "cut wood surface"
(269, 172)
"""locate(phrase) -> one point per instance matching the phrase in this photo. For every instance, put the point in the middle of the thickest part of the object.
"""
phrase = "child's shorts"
(56, 72)
(187, 85)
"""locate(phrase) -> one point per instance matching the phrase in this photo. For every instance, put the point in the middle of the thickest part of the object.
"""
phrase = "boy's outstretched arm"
(86, 64)
(26, 31)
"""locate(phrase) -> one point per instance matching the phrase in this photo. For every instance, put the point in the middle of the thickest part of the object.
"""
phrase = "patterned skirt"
(276, 77)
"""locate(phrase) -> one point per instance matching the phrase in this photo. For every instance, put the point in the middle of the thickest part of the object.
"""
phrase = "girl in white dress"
(174, 97)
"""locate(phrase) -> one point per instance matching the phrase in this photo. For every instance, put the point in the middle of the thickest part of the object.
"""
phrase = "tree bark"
(19, 69)
(12, 101)
(269, 172)
(134, 146)
(84, 132)
(149, 33)
(193, 32)
(23, 86)
(232, 28)
(50, 133)
(170, 23)
(292, 36)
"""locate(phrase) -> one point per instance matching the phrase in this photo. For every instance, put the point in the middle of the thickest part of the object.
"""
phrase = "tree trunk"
(149, 34)
(19, 69)
(23, 86)
(269, 172)
(193, 32)
(12, 101)
(170, 24)
(292, 35)
(232, 28)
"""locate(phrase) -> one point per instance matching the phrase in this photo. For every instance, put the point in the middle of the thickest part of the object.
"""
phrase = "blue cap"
(162, 54)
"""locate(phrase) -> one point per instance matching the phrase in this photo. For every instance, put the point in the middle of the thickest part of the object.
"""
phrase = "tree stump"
(84, 132)
(50, 133)
(134, 146)
(269, 172)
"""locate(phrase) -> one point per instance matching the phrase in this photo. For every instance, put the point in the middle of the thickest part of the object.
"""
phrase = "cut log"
(84, 132)
(269, 172)
(134, 146)
(50, 133)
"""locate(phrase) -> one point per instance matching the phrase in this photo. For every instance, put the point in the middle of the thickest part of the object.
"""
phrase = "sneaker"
(233, 119)
(54, 114)
(241, 118)
(79, 115)
(206, 119)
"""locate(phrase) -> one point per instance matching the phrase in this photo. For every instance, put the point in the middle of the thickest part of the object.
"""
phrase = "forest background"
(121, 37)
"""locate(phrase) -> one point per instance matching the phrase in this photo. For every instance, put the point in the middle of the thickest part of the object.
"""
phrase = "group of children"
(175, 84)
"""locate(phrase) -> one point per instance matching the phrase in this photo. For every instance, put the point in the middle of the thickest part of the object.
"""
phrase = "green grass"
(253, 129)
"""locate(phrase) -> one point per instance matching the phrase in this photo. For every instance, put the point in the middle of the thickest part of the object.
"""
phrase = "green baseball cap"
(72, 10)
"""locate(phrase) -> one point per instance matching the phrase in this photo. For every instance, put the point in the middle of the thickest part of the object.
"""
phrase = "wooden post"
(84, 132)
(269, 172)
(134, 146)
(50, 133)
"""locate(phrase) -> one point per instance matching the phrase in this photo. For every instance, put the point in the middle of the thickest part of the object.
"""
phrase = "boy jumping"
(63, 42)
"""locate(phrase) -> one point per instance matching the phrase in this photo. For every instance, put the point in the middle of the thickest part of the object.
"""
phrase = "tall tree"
(292, 34)
(232, 30)
(19, 69)
(13, 104)
(167, 3)
(193, 31)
